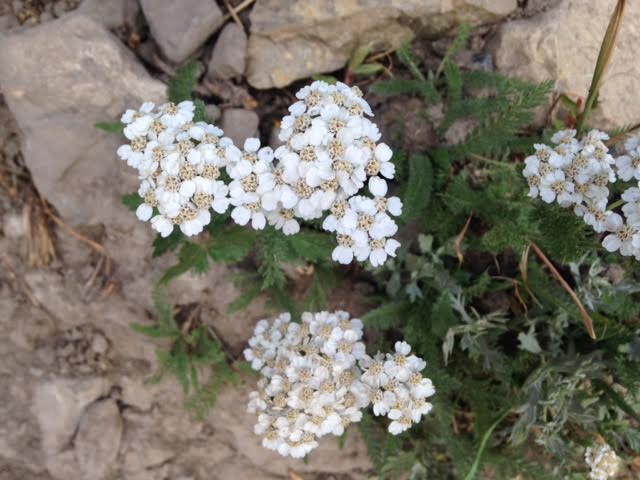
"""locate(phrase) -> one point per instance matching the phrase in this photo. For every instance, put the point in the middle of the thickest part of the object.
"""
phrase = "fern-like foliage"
(182, 84)
(192, 351)
(500, 333)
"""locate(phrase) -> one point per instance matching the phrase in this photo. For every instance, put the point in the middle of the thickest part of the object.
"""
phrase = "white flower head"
(316, 378)
(178, 163)
(331, 153)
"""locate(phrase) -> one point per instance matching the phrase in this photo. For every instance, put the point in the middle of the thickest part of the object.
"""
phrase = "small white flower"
(176, 116)
(554, 186)
(374, 374)
(628, 166)
(603, 462)
(282, 219)
(623, 237)
(381, 250)
(350, 246)
(162, 225)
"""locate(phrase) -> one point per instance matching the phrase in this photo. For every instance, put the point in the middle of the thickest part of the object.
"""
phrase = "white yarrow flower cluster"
(577, 173)
(316, 378)
(178, 163)
(603, 462)
(329, 156)
(331, 153)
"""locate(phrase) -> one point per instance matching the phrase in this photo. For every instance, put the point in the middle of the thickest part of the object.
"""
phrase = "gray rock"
(14, 225)
(239, 124)
(274, 137)
(110, 13)
(295, 39)
(58, 405)
(180, 28)
(8, 22)
(562, 44)
(136, 393)
(229, 54)
(99, 344)
(59, 79)
(213, 112)
(98, 438)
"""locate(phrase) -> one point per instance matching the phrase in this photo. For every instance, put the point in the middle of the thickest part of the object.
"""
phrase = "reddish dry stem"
(586, 318)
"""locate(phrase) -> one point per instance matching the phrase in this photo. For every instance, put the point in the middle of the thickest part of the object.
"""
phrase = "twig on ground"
(26, 289)
(233, 14)
(104, 261)
(237, 9)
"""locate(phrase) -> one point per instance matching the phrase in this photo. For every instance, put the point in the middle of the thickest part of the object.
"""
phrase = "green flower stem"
(490, 161)
(483, 444)
(615, 204)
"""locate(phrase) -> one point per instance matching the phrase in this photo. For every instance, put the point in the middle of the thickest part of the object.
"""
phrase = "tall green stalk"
(604, 57)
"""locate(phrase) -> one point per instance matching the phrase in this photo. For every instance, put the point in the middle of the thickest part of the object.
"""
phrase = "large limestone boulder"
(293, 39)
(59, 79)
(562, 44)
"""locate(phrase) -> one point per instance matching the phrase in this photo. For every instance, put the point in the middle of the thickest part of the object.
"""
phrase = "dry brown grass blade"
(586, 318)
(104, 264)
(294, 475)
(41, 245)
(523, 266)
(26, 289)
(458, 243)
(75, 234)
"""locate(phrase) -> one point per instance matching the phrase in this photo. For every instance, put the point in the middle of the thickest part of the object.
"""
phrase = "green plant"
(532, 338)
(193, 348)
(504, 333)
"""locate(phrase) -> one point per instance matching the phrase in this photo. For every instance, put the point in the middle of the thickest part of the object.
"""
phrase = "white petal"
(394, 206)
(383, 152)
(377, 257)
(252, 144)
(391, 246)
(614, 222)
(377, 186)
(291, 227)
(258, 221)
(188, 188)
(194, 157)
(144, 212)
(241, 215)
(387, 170)
(611, 243)
(342, 255)
(220, 204)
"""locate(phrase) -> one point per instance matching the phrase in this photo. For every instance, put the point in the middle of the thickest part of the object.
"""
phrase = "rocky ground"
(76, 271)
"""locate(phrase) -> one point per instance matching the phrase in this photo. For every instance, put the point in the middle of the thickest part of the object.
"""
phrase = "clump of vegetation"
(194, 350)
(529, 328)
